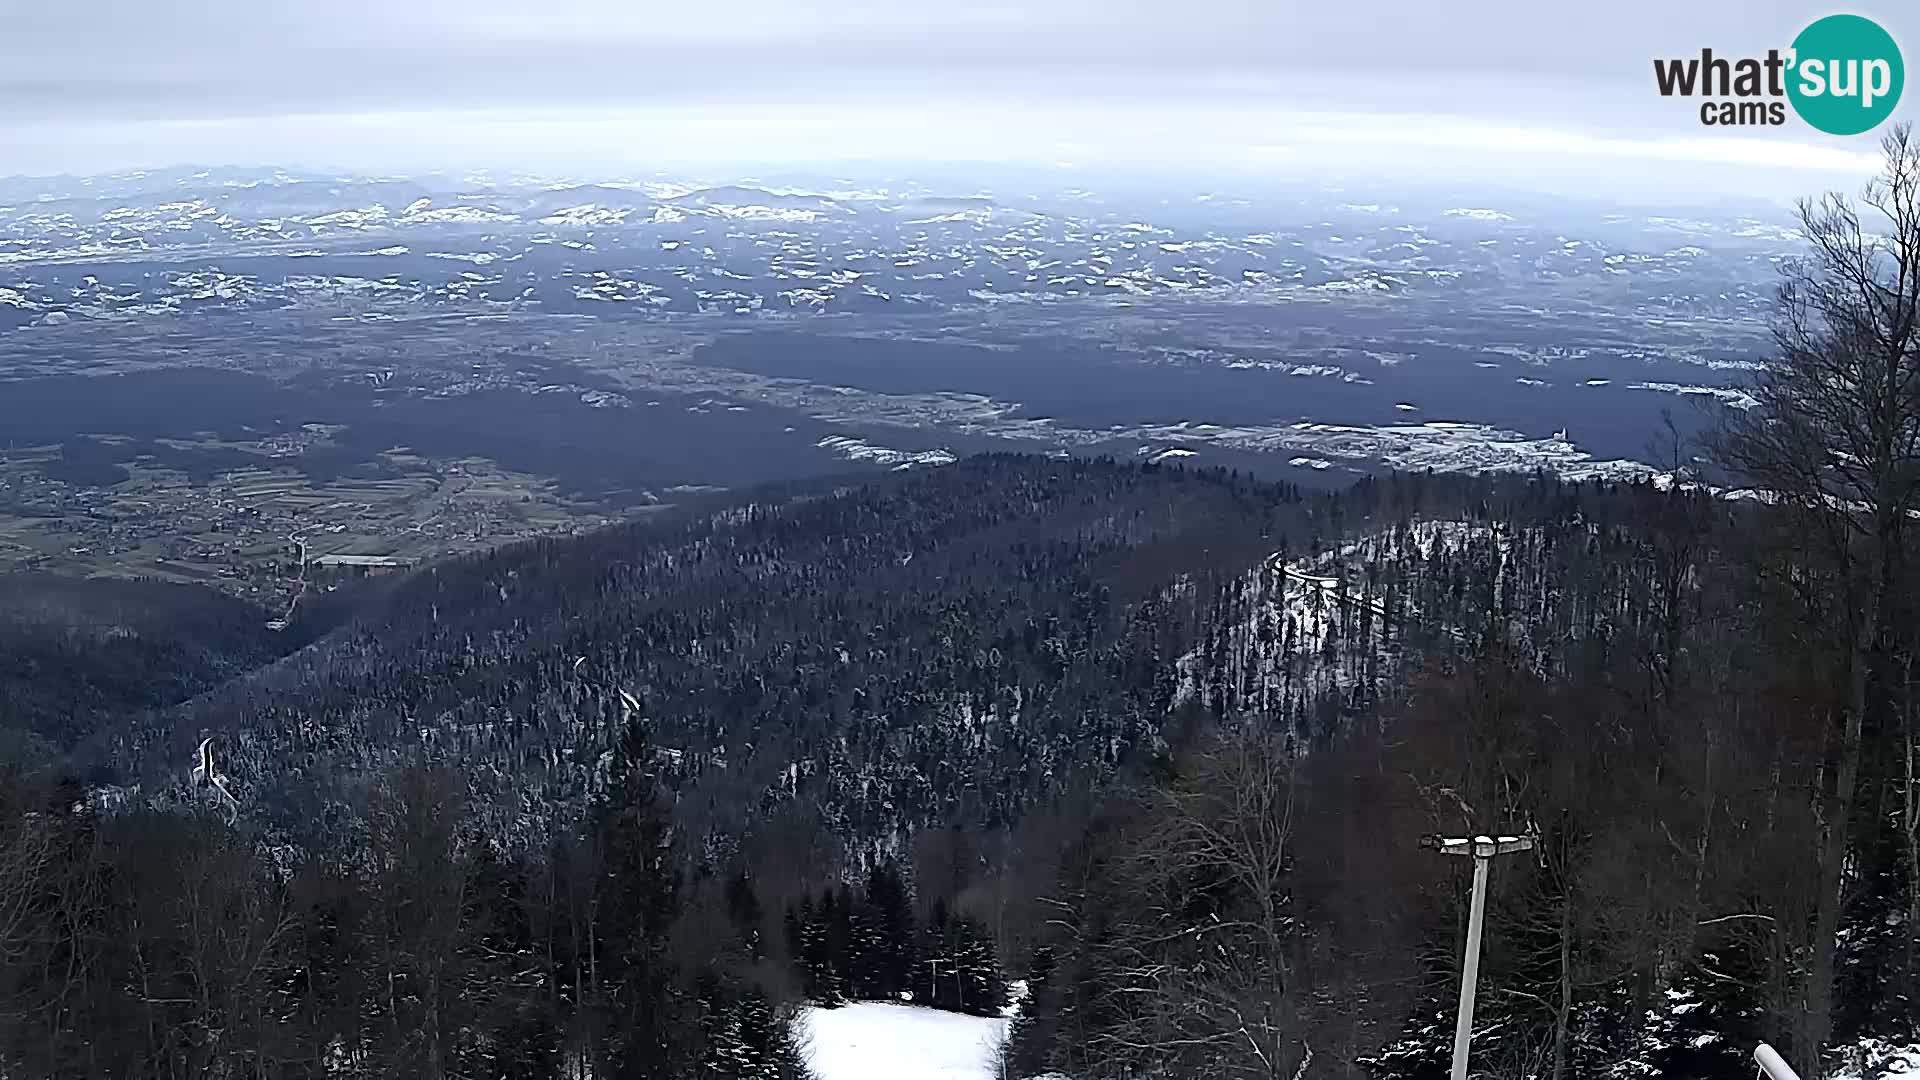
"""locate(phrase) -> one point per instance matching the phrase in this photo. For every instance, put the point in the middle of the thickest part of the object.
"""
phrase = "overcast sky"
(1520, 90)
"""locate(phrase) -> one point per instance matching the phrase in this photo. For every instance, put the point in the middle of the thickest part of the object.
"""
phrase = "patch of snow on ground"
(873, 1040)
(1878, 1060)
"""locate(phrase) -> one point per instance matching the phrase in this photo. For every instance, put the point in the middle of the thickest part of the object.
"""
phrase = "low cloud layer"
(582, 84)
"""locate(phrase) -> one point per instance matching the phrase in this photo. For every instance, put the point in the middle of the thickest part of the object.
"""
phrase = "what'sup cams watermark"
(1842, 75)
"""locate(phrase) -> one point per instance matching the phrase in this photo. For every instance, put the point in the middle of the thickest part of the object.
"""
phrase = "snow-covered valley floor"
(874, 1040)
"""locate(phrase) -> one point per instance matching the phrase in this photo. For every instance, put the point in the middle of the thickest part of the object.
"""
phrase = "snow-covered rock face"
(872, 1040)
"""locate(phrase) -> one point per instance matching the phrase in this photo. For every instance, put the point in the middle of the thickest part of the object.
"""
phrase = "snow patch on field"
(459, 215)
(588, 214)
(874, 1040)
(860, 450)
(1735, 398)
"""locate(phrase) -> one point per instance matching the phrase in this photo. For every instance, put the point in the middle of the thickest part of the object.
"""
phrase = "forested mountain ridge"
(78, 654)
(971, 703)
(937, 648)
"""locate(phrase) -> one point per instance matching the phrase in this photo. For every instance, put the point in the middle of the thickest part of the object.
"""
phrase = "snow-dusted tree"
(748, 1037)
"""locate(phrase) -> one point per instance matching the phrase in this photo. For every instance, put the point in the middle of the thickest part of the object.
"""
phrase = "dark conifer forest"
(1147, 752)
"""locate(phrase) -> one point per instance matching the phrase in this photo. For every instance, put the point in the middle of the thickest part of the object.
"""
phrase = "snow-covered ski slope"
(875, 1040)
(872, 1040)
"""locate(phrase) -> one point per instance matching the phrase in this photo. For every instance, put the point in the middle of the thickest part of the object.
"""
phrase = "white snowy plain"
(875, 1040)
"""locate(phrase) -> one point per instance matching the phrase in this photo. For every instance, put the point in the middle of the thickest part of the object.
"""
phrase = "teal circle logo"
(1846, 74)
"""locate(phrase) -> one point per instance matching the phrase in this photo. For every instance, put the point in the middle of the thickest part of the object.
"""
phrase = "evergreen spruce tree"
(982, 988)
(794, 926)
(744, 912)
(1031, 1035)
(893, 933)
(811, 947)
(746, 1037)
(769, 1037)
(863, 951)
(636, 900)
(963, 974)
(933, 983)
(836, 909)
(521, 1037)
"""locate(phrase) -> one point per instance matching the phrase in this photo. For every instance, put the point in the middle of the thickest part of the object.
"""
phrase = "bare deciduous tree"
(26, 857)
(1834, 442)
(1209, 958)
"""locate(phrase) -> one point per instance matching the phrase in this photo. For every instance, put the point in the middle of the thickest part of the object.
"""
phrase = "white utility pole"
(1482, 849)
